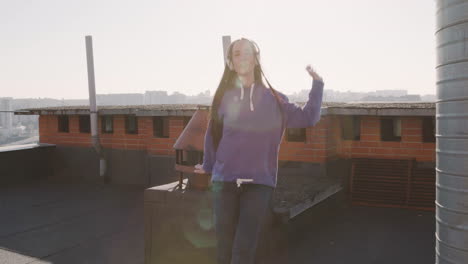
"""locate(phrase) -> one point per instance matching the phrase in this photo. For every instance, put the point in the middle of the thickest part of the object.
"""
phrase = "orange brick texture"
(370, 145)
(315, 149)
(144, 140)
(323, 141)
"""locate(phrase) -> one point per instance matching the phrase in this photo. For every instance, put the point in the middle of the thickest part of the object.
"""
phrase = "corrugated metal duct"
(452, 132)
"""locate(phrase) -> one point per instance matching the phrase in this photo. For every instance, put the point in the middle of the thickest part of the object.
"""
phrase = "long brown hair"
(227, 83)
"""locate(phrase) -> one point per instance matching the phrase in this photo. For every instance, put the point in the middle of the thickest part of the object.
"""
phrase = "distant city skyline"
(204, 93)
(361, 45)
(163, 97)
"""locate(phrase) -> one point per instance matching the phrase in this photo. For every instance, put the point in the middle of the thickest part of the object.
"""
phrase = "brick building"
(348, 140)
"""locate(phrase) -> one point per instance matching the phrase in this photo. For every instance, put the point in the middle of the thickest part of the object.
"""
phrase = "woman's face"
(243, 57)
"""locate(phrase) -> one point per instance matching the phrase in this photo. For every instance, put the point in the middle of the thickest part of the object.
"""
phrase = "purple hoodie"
(252, 133)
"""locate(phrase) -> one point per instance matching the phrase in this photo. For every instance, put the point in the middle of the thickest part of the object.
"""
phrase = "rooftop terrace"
(64, 223)
(47, 222)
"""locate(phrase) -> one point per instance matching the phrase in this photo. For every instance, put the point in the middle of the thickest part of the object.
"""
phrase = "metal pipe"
(226, 43)
(92, 105)
(452, 132)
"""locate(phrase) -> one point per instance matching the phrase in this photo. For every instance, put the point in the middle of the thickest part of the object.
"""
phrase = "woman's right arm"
(209, 155)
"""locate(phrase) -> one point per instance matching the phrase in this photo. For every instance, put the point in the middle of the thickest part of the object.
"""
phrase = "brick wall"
(144, 140)
(323, 141)
(315, 149)
(48, 132)
(163, 146)
(370, 145)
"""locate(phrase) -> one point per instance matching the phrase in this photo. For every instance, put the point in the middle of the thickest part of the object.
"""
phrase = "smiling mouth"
(244, 65)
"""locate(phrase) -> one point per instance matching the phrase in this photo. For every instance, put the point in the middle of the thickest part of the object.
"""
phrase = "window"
(390, 129)
(351, 127)
(161, 126)
(186, 120)
(131, 124)
(296, 134)
(84, 124)
(192, 158)
(428, 129)
(63, 124)
(189, 158)
(107, 124)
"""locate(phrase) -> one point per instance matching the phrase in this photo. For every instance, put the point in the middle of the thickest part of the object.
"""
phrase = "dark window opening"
(131, 125)
(390, 129)
(189, 158)
(351, 127)
(186, 120)
(429, 129)
(296, 134)
(63, 124)
(161, 126)
(107, 124)
(84, 124)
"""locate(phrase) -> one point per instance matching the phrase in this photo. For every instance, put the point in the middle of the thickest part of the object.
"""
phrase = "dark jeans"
(240, 216)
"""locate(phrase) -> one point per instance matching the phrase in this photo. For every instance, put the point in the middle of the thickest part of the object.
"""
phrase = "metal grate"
(392, 183)
(422, 187)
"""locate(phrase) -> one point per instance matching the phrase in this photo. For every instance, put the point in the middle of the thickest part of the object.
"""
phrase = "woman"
(242, 143)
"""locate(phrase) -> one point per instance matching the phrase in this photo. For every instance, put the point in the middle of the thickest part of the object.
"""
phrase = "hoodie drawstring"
(251, 95)
(251, 101)
(242, 92)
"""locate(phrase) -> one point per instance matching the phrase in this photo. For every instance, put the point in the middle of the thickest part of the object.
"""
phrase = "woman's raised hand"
(312, 73)
(199, 169)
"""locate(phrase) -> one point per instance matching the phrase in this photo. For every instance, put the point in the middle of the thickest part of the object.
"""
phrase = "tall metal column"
(452, 132)
(226, 43)
(93, 106)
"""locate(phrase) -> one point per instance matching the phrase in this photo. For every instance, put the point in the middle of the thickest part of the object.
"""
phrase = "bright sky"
(176, 45)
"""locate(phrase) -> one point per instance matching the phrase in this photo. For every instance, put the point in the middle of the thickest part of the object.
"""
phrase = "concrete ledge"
(319, 197)
(25, 146)
(179, 224)
(31, 162)
(382, 112)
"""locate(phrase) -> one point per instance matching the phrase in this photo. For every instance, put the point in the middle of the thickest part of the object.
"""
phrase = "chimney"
(189, 146)
(189, 150)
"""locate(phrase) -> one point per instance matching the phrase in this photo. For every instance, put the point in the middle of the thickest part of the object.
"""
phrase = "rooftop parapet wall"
(328, 108)
(138, 110)
(323, 142)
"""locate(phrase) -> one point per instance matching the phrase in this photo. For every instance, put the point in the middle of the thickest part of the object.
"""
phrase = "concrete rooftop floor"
(64, 223)
(335, 232)
(56, 223)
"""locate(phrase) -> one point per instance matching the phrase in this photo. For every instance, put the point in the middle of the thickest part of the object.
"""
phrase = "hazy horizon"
(170, 93)
(358, 46)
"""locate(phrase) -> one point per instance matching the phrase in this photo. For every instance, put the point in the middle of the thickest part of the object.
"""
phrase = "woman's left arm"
(308, 116)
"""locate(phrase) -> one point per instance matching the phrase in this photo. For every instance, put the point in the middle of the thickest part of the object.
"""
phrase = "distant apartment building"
(375, 96)
(120, 99)
(156, 97)
(6, 118)
(393, 93)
